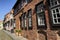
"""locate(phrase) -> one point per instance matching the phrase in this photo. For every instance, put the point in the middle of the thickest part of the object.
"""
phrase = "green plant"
(18, 30)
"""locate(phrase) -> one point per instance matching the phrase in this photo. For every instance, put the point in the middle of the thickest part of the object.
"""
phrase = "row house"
(38, 19)
(1, 24)
(9, 23)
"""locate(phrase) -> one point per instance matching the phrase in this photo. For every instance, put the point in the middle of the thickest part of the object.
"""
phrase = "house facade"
(1, 24)
(38, 19)
(9, 23)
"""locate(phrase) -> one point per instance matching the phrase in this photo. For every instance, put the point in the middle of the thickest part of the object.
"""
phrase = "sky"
(5, 7)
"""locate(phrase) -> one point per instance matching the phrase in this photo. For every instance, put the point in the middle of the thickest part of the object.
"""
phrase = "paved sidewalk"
(4, 36)
(14, 36)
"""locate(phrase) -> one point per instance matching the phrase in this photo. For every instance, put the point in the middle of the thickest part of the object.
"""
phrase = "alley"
(4, 36)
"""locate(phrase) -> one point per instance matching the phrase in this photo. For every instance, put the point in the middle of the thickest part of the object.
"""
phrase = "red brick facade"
(34, 33)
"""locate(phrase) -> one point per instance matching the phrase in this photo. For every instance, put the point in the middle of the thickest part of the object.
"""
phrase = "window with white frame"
(54, 3)
(30, 18)
(40, 18)
(55, 11)
(56, 15)
(40, 14)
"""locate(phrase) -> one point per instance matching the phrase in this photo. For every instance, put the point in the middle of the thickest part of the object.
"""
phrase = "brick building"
(38, 19)
(8, 22)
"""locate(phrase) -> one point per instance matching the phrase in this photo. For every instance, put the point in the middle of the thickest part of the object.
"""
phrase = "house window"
(55, 10)
(56, 15)
(25, 20)
(40, 14)
(30, 18)
(22, 21)
(40, 18)
(14, 22)
(54, 3)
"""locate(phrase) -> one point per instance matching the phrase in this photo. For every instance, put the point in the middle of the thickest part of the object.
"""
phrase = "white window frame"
(40, 19)
(56, 15)
(53, 1)
(40, 14)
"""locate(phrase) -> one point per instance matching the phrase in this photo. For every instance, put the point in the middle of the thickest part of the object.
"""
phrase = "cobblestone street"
(4, 36)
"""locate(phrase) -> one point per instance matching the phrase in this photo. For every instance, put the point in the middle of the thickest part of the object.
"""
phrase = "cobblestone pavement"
(4, 36)
(14, 36)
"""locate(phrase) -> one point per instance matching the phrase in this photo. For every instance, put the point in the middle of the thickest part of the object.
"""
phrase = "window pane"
(53, 11)
(25, 23)
(59, 20)
(43, 21)
(55, 20)
(54, 15)
(54, 3)
(58, 15)
(25, 20)
(40, 8)
(40, 19)
(57, 10)
(30, 22)
(29, 18)
(22, 23)
(29, 14)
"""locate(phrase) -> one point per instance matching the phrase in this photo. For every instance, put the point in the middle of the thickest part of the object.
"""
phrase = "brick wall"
(35, 34)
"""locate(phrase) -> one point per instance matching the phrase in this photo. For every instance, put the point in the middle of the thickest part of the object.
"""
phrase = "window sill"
(41, 27)
(29, 28)
(55, 27)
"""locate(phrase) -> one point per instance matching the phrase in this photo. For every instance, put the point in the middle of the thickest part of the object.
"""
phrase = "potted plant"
(18, 32)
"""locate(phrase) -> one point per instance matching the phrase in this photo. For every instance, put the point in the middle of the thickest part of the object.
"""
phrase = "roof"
(16, 4)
